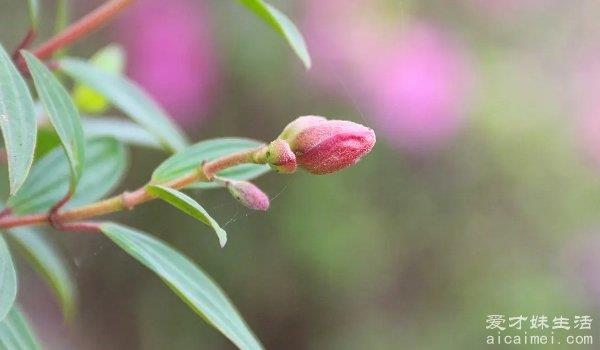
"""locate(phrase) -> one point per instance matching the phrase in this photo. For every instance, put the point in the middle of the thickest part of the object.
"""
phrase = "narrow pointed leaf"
(45, 257)
(187, 280)
(8, 280)
(283, 25)
(18, 122)
(193, 156)
(129, 98)
(122, 130)
(105, 164)
(62, 114)
(110, 59)
(34, 12)
(16, 333)
(189, 206)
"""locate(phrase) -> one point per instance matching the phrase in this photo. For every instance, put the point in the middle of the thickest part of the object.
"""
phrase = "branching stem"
(68, 220)
(129, 200)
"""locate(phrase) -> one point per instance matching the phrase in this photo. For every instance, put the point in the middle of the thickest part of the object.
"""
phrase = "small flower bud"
(280, 157)
(324, 146)
(248, 194)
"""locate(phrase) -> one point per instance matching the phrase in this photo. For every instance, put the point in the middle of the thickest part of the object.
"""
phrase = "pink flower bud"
(280, 157)
(295, 127)
(324, 146)
(248, 194)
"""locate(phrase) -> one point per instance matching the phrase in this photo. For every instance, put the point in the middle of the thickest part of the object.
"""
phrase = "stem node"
(53, 215)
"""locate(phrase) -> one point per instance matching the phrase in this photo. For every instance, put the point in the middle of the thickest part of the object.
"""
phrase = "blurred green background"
(412, 248)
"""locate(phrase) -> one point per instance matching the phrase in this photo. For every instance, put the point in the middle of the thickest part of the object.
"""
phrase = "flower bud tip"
(248, 194)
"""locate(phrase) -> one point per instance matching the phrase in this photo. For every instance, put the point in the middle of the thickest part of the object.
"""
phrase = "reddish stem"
(53, 212)
(27, 40)
(25, 220)
(79, 29)
(84, 226)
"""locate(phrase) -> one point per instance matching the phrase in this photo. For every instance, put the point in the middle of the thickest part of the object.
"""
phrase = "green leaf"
(34, 13)
(283, 25)
(62, 16)
(15, 332)
(62, 114)
(44, 256)
(188, 281)
(122, 130)
(110, 59)
(8, 280)
(18, 122)
(130, 98)
(47, 140)
(189, 206)
(193, 156)
(105, 164)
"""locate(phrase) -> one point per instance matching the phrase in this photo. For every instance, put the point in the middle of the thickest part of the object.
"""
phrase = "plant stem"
(79, 29)
(129, 200)
(27, 40)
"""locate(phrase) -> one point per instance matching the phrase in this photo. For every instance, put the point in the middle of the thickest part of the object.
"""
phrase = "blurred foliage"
(402, 251)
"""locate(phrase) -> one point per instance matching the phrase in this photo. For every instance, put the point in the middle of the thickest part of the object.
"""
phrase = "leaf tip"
(15, 184)
(307, 62)
(223, 239)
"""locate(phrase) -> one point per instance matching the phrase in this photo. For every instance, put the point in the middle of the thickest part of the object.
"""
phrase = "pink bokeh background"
(172, 54)
(412, 77)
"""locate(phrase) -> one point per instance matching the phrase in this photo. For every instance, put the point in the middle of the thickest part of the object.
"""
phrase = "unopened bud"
(248, 194)
(324, 146)
(280, 157)
(299, 124)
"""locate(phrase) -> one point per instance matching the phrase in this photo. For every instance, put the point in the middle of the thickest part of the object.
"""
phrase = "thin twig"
(69, 219)
(82, 226)
(27, 40)
(90, 22)
(53, 212)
